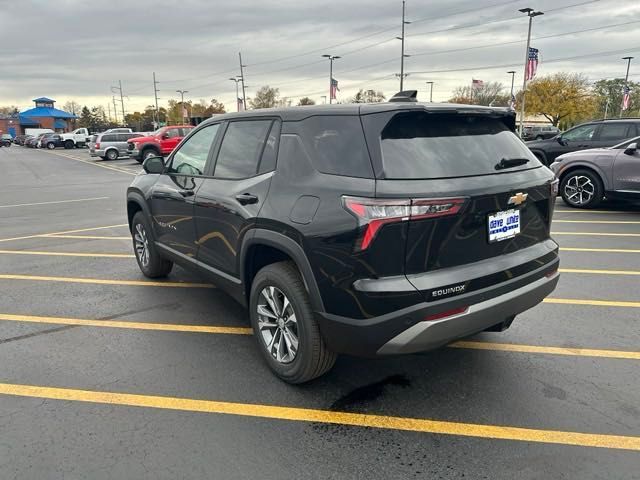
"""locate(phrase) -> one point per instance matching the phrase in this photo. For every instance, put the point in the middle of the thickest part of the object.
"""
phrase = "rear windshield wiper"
(510, 162)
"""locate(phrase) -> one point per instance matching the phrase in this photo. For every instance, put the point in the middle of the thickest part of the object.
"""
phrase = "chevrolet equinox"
(365, 229)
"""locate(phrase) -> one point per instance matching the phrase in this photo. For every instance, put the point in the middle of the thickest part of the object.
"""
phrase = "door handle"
(186, 193)
(246, 199)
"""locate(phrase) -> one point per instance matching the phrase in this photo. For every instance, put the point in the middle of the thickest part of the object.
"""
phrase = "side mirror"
(165, 136)
(153, 165)
(561, 140)
(631, 149)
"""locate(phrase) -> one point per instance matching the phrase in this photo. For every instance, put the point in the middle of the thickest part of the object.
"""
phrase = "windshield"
(422, 145)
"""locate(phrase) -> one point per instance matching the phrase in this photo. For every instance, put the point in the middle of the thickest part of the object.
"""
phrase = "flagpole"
(626, 78)
(331, 59)
(530, 13)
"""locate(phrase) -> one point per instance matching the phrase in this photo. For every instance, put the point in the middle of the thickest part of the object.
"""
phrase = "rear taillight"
(554, 188)
(374, 213)
(97, 145)
(447, 313)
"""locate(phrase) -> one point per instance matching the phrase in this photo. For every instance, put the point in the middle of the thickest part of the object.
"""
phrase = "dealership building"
(43, 115)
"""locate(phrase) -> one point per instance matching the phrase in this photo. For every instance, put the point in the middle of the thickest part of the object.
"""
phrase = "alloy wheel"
(141, 242)
(579, 190)
(278, 324)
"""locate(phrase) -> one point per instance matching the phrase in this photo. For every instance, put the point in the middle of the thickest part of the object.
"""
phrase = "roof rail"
(405, 96)
(616, 119)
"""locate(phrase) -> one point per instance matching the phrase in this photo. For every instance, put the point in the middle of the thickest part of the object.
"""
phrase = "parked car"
(51, 141)
(161, 142)
(596, 134)
(119, 130)
(30, 141)
(110, 146)
(6, 140)
(539, 132)
(373, 229)
(19, 139)
(36, 140)
(587, 176)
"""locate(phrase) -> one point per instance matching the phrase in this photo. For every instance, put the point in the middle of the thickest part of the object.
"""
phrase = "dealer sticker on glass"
(504, 225)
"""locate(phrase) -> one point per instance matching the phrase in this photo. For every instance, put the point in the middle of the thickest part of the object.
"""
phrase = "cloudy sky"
(75, 49)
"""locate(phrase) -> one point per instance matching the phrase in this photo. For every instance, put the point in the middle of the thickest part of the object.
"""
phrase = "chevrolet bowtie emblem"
(518, 198)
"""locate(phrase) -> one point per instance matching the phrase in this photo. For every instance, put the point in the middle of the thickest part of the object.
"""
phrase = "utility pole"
(182, 92)
(115, 111)
(626, 77)
(109, 110)
(402, 54)
(513, 76)
(430, 91)
(530, 13)
(122, 101)
(237, 80)
(606, 108)
(155, 93)
(331, 59)
(324, 98)
(244, 93)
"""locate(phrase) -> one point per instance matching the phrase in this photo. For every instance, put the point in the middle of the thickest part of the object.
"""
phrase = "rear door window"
(241, 149)
(614, 131)
(419, 145)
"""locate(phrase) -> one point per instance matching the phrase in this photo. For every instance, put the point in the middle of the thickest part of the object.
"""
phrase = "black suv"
(359, 229)
(596, 134)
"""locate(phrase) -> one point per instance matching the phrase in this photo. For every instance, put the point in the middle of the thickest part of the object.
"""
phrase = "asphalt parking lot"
(105, 374)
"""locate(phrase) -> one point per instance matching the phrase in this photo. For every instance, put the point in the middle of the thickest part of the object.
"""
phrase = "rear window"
(336, 145)
(421, 145)
(109, 137)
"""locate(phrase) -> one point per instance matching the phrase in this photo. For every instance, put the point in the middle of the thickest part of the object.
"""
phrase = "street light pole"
(331, 59)
(626, 77)
(513, 76)
(402, 54)
(182, 92)
(237, 80)
(430, 91)
(530, 13)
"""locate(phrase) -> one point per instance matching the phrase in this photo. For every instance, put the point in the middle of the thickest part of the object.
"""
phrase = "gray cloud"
(73, 49)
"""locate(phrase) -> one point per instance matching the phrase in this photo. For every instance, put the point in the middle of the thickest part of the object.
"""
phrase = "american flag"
(532, 63)
(512, 102)
(334, 88)
(626, 97)
(476, 84)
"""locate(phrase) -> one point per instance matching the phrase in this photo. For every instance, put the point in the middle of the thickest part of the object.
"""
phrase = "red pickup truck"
(159, 143)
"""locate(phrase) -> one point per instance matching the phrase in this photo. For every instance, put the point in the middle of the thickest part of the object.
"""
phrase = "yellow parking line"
(601, 250)
(576, 352)
(127, 325)
(591, 303)
(598, 234)
(169, 327)
(297, 414)
(100, 281)
(599, 272)
(66, 231)
(87, 237)
(54, 202)
(634, 222)
(95, 164)
(68, 254)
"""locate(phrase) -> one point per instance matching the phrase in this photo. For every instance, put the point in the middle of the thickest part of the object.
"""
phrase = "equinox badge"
(518, 198)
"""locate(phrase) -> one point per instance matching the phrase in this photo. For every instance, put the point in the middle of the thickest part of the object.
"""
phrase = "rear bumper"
(406, 331)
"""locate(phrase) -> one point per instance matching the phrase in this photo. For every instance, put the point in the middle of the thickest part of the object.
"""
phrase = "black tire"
(312, 358)
(111, 155)
(51, 145)
(147, 153)
(539, 137)
(154, 266)
(68, 144)
(581, 189)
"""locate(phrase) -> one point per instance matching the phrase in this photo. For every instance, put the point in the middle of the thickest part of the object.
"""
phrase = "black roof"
(293, 114)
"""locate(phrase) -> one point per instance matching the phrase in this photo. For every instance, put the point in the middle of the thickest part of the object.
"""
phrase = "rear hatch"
(477, 203)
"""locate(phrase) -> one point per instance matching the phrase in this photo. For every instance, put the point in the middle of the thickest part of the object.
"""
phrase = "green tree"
(562, 97)
(611, 91)
(306, 101)
(86, 120)
(367, 96)
(490, 93)
(266, 97)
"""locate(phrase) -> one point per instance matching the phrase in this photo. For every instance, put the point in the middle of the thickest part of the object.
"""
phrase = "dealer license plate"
(503, 225)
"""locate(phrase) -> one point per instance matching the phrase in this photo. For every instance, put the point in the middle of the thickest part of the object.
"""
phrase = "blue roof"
(60, 124)
(43, 99)
(46, 112)
(28, 122)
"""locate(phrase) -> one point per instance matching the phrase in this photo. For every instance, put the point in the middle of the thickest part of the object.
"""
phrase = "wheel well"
(580, 167)
(258, 257)
(150, 147)
(133, 207)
